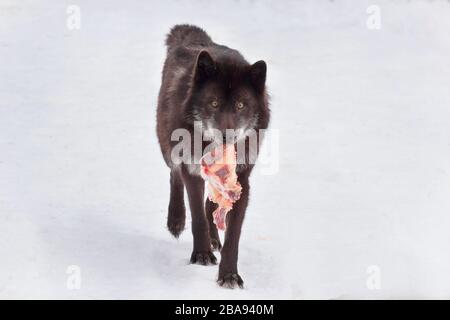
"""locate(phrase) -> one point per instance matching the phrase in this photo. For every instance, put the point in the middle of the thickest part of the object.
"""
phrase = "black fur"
(213, 84)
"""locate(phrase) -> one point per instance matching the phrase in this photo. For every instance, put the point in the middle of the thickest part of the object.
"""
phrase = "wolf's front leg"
(228, 272)
(195, 187)
(213, 232)
(177, 211)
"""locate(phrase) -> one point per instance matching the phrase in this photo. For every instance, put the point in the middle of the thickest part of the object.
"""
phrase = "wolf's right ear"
(258, 72)
(205, 66)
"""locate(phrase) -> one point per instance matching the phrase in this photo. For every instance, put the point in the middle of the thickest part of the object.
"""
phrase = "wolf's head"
(227, 95)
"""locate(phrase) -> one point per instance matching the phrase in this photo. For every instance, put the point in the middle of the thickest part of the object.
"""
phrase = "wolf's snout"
(227, 121)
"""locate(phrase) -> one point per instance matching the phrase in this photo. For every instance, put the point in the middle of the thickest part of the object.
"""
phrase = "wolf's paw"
(215, 244)
(231, 281)
(176, 226)
(203, 258)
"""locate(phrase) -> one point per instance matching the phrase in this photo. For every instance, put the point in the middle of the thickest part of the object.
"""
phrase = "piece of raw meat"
(218, 169)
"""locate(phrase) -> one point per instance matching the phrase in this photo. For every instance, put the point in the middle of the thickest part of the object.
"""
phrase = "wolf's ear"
(258, 72)
(205, 66)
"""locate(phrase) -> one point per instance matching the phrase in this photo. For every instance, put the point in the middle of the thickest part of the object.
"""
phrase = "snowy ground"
(364, 120)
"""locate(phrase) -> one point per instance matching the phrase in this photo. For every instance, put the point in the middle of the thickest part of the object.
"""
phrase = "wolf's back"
(187, 35)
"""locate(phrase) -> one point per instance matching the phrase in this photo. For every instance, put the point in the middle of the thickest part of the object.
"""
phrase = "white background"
(364, 120)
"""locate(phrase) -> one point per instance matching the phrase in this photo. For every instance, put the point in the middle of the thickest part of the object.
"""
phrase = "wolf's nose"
(227, 122)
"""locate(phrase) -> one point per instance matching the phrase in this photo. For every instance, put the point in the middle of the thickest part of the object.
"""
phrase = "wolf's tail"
(185, 35)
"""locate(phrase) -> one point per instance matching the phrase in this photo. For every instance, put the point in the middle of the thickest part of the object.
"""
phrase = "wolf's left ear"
(258, 72)
(205, 66)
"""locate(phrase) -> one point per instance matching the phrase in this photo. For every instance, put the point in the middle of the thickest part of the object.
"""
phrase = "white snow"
(364, 122)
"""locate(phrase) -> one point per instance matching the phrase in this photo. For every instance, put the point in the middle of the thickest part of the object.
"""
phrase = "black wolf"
(211, 84)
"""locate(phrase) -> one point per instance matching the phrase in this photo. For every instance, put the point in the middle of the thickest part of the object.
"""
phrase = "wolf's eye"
(240, 105)
(214, 104)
